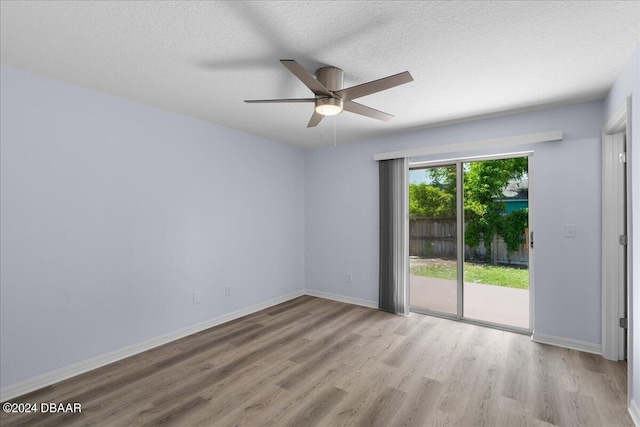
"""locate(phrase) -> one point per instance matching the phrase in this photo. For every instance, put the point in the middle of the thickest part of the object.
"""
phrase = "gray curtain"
(393, 295)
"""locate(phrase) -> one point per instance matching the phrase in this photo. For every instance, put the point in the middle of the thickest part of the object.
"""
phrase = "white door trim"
(613, 260)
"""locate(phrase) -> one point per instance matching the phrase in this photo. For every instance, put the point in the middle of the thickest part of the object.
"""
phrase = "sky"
(417, 176)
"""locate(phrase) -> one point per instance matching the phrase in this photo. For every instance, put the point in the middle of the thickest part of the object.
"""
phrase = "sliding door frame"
(460, 238)
(460, 245)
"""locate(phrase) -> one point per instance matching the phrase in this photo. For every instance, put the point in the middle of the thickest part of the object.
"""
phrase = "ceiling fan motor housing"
(331, 77)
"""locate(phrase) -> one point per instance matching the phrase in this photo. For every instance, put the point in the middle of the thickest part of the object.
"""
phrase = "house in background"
(516, 195)
(142, 200)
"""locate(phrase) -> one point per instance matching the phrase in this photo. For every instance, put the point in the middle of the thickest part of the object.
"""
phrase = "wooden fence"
(436, 238)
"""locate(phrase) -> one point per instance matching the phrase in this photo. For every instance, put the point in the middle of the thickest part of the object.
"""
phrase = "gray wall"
(113, 213)
(628, 84)
(342, 212)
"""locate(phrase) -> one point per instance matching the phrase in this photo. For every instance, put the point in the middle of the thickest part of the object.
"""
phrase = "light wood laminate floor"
(311, 361)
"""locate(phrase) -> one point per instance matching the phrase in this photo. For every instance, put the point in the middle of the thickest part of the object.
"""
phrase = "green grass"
(478, 273)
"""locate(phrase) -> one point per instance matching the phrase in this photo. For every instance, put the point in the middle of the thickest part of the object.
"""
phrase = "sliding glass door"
(433, 245)
(468, 240)
(496, 259)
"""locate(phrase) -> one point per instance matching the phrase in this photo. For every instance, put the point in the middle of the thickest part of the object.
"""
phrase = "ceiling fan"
(331, 99)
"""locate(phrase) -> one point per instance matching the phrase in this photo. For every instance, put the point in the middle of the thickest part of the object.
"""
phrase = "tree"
(484, 183)
(429, 201)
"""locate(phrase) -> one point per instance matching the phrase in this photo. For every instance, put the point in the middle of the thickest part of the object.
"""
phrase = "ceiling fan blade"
(375, 86)
(306, 78)
(315, 119)
(280, 100)
(363, 110)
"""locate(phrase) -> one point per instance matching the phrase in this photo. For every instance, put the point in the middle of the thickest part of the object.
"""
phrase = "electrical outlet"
(197, 298)
(227, 290)
(348, 277)
(570, 230)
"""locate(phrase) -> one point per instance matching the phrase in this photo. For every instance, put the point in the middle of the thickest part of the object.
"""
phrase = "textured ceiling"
(202, 59)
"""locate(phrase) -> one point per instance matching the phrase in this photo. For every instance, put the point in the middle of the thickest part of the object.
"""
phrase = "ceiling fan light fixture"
(328, 106)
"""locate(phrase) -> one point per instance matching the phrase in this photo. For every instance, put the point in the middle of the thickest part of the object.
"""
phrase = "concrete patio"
(496, 304)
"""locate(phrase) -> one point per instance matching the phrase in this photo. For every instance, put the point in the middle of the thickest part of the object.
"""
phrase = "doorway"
(469, 240)
(616, 204)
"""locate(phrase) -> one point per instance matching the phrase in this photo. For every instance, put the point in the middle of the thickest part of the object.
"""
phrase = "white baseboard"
(587, 347)
(342, 298)
(52, 377)
(634, 411)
